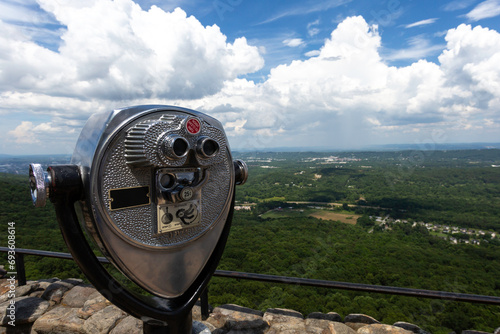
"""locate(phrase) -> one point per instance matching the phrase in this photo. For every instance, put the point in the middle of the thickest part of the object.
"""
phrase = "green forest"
(405, 190)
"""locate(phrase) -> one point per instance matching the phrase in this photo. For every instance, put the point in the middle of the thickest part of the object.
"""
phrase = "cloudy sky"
(341, 74)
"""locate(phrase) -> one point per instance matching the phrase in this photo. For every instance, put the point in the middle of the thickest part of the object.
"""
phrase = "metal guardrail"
(20, 252)
(461, 297)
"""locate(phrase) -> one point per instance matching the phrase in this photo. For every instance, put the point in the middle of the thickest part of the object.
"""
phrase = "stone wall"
(69, 306)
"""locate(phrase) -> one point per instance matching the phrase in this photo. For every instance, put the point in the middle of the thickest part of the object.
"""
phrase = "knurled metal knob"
(240, 172)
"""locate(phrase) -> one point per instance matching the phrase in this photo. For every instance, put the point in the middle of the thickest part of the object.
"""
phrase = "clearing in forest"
(316, 213)
(330, 215)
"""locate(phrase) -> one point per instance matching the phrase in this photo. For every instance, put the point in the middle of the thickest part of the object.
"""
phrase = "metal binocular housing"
(153, 187)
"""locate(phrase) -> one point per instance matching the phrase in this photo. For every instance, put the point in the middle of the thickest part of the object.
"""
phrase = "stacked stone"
(71, 307)
(63, 306)
(234, 319)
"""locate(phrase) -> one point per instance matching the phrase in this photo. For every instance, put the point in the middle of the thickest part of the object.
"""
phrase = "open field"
(331, 215)
(316, 213)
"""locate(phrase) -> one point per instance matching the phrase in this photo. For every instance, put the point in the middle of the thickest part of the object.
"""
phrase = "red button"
(193, 126)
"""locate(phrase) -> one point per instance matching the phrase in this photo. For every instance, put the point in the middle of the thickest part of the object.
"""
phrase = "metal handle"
(39, 185)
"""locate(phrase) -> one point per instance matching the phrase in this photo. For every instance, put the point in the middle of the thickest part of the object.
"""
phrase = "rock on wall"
(71, 307)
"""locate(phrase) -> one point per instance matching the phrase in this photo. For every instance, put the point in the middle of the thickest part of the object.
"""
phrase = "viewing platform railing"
(461, 297)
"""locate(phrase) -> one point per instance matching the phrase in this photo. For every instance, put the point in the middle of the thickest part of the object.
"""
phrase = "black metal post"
(181, 324)
(148, 328)
(21, 273)
(204, 304)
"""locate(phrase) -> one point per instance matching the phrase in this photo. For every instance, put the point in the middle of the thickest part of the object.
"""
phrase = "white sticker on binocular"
(178, 216)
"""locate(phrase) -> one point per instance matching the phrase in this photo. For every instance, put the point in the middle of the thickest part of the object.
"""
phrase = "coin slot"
(124, 198)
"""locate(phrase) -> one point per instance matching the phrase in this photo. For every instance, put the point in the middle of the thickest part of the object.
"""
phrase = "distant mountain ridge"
(375, 148)
(385, 147)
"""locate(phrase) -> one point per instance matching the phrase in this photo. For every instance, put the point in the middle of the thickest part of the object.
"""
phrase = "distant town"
(454, 234)
(19, 164)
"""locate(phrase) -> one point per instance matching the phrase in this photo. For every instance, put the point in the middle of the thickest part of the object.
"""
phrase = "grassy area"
(332, 215)
(438, 234)
(285, 213)
(347, 218)
(273, 199)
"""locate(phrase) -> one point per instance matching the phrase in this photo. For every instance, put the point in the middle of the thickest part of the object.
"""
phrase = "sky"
(335, 74)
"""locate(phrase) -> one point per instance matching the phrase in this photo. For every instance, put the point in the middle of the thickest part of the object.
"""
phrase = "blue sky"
(339, 74)
(410, 30)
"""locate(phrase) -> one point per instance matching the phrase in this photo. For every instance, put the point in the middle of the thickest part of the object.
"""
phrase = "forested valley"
(391, 203)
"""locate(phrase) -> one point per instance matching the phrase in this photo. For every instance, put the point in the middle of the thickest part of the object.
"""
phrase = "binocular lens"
(175, 147)
(167, 181)
(207, 147)
(210, 147)
(180, 146)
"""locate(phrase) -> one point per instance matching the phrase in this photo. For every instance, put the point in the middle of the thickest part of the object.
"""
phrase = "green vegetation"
(460, 188)
(36, 228)
(406, 257)
(324, 213)
(408, 189)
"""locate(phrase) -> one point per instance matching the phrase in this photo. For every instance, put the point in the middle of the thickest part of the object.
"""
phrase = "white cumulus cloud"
(471, 67)
(23, 133)
(114, 50)
(348, 94)
(115, 54)
(111, 54)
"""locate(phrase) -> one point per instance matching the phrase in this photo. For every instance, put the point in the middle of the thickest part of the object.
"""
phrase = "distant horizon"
(319, 149)
(382, 147)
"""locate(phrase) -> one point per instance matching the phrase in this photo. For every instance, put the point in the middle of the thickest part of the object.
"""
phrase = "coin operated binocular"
(153, 187)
